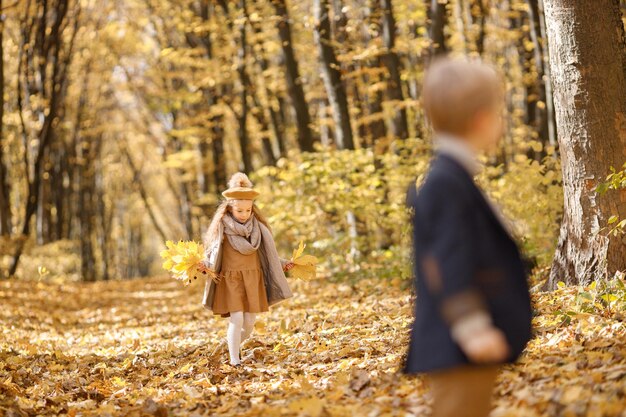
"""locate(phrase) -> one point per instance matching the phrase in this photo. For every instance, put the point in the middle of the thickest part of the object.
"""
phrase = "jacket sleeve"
(448, 251)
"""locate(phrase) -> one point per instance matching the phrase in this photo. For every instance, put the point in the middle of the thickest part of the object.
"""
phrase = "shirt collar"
(458, 149)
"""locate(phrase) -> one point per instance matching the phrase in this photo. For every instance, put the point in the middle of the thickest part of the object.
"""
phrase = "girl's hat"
(240, 188)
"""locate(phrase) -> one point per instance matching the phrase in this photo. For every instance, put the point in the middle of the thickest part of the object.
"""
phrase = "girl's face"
(241, 210)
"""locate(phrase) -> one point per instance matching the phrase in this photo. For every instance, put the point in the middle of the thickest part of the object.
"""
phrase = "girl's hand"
(202, 267)
(288, 266)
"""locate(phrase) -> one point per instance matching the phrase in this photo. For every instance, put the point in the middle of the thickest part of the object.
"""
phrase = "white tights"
(240, 327)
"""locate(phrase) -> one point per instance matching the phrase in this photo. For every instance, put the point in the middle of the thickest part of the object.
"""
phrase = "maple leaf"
(304, 265)
(183, 260)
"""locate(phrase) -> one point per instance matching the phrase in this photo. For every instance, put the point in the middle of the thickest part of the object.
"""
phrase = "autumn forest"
(121, 122)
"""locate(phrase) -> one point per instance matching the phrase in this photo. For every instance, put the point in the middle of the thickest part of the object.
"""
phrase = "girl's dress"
(242, 287)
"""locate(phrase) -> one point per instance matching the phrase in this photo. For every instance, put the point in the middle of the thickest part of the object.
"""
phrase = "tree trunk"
(548, 85)
(5, 200)
(416, 60)
(480, 19)
(292, 73)
(399, 125)
(588, 60)
(332, 77)
(457, 16)
(344, 44)
(242, 117)
(259, 114)
(61, 219)
(438, 16)
(281, 116)
(103, 215)
(219, 160)
(373, 97)
(277, 129)
(216, 120)
(536, 112)
(86, 188)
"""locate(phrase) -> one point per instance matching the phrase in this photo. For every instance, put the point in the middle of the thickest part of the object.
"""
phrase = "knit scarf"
(245, 238)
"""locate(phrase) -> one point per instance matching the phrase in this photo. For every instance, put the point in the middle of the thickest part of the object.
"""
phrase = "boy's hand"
(288, 266)
(487, 346)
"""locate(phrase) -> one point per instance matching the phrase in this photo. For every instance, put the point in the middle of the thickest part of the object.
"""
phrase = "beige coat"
(276, 287)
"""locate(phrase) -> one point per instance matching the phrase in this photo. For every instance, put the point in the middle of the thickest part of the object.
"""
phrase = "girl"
(240, 248)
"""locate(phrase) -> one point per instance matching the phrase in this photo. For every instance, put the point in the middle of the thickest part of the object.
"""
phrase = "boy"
(473, 307)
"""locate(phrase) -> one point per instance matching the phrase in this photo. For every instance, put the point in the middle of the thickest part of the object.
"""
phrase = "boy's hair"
(455, 90)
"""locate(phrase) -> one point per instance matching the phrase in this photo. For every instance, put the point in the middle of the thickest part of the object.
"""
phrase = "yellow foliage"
(304, 265)
(351, 203)
(531, 195)
(182, 260)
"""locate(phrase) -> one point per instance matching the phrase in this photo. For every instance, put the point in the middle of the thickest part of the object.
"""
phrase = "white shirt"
(459, 150)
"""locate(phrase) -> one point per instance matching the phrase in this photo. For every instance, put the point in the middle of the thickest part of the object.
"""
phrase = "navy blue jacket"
(464, 260)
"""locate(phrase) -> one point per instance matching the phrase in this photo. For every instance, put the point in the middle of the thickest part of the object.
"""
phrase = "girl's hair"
(237, 180)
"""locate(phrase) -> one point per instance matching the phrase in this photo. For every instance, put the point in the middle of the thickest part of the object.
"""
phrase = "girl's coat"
(276, 284)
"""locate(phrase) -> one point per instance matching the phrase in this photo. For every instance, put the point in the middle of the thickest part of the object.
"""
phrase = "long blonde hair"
(237, 180)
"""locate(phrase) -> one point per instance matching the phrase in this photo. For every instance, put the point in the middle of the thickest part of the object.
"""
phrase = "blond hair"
(455, 90)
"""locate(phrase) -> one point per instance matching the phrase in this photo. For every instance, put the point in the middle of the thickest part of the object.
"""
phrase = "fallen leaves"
(308, 406)
(147, 347)
(360, 379)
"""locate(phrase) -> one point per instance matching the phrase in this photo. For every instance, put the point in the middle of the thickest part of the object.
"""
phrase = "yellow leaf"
(304, 265)
(305, 260)
(118, 382)
(304, 272)
(299, 251)
(311, 407)
(259, 327)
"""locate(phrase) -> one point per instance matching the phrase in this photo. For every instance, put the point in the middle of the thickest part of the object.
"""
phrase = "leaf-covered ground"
(147, 347)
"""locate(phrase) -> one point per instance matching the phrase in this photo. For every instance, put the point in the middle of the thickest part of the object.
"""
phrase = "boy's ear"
(480, 121)
(481, 117)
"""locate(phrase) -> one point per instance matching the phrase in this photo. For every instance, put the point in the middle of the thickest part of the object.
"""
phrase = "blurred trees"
(122, 120)
(5, 206)
(292, 75)
(45, 50)
(331, 73)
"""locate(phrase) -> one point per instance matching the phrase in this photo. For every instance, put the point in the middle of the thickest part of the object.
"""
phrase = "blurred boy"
(473, 307)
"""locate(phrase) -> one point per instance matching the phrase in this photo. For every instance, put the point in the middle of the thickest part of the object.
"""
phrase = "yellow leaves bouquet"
(304, 265)
(183, 261)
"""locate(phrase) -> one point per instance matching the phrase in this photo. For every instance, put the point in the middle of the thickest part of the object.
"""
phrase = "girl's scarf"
(245, 238)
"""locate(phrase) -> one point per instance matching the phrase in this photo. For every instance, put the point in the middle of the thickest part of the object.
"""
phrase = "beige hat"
(240, 188)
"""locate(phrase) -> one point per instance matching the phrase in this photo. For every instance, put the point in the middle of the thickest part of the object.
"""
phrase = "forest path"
(147, 347)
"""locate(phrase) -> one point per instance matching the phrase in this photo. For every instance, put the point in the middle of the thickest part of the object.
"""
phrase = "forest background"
(122, 121)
